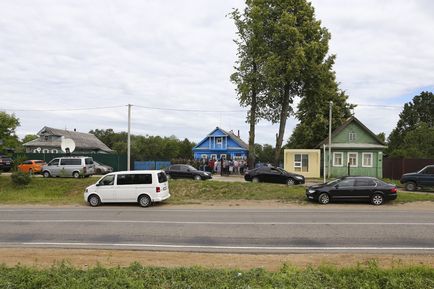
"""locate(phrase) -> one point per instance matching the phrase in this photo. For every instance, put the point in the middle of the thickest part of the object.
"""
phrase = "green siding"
(375, 171)
(361, 135)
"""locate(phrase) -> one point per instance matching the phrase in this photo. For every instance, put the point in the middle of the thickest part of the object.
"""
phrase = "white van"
(143, 187)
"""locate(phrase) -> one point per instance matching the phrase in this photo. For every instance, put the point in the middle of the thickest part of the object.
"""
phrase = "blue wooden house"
(220, 143)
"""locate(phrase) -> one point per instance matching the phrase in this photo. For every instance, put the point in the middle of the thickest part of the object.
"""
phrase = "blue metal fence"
(151, 165)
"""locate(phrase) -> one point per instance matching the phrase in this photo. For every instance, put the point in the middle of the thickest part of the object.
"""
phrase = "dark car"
(273, 175)
(186, 172)
(422, 178)
(353, 188)
(6, 163)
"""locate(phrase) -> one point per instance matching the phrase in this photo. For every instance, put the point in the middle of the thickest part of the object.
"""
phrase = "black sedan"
(186, 172)
(353, 188)
(273, 175)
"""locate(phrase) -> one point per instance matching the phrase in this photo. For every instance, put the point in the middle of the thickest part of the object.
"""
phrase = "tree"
(8, 125)
(417, 116)
(250, 26)
(29, 137)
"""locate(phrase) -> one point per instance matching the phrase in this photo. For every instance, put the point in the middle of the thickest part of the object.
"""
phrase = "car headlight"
(298, 177)
(311, 191)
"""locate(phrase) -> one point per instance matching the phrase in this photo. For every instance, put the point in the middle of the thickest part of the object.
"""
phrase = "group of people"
(225, 166)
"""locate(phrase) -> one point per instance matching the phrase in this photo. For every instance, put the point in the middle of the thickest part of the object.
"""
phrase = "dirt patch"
(43, 258)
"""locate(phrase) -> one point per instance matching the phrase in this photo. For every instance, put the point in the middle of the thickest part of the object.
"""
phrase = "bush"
(20, 178)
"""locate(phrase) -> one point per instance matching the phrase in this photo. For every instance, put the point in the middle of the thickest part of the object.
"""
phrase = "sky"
(58, 56)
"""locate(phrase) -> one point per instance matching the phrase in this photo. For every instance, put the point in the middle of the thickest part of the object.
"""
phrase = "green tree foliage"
(146, 147)
(8, 125)
(29, 137)
(264, 153)
(413, 135)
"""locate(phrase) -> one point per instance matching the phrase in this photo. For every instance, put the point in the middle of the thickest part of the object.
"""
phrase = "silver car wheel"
(377, 199)
(197, 178)
(94, 201)
(324, 199)
(255, 180)
(290, 182)
(46, 174)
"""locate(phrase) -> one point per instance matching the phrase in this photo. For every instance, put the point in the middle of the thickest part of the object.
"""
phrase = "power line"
(64, 109)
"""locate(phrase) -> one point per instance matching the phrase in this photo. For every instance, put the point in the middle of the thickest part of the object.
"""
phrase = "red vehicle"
(31, 166)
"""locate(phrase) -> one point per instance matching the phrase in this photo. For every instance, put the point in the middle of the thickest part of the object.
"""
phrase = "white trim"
(342, 159)
(372, 160)
(357, 159)
(225, 156)
(352, 136)
(213, 156)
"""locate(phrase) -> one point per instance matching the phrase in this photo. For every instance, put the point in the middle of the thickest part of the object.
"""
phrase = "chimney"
(238, 133)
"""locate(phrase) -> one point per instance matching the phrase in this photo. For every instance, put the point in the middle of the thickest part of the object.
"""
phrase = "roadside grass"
(137, 276)
(59, 191)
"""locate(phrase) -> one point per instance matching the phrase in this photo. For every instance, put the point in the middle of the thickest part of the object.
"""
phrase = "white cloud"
(179, 54)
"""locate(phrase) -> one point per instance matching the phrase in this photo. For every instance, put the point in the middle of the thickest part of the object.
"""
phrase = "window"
(338, 159)
(27, 162)
(346, 183)
(70, 162)
(367, 160)
(175, 168)
(214, 156)
(54, 162)
(134, 179)
(365, 183)
(428, 171)
(352, 136)
(88, 161)
(162, 178)
(301, 162)
(218, 140)
(107, 181)
(45, 151)
(353, 159)
(223, 156)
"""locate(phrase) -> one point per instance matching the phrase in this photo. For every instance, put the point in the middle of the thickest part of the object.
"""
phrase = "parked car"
(102, 169)
(186, 172)
(422, 178)
(32, 166)
(353, 188)
(6, 163)
(269, 174)
(69, 167)
(143, 187)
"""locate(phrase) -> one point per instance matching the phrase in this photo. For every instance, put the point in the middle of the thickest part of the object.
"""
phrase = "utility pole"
(330, 138)
(129, 139)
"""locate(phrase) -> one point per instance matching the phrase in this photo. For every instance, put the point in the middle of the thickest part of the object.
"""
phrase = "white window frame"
(357, 159)
(218, 140)
(224, 156)
(352, 136)
(45, 151)
(299, 164)
(372, 160)
(213, 156)
(54, 151)
(342, 159)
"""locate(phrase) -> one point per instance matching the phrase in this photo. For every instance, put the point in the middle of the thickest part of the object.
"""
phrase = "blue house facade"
(221, 144)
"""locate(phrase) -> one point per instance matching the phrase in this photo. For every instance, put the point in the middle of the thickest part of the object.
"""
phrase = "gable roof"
(82, 140)
(234, 137)
(344, 125)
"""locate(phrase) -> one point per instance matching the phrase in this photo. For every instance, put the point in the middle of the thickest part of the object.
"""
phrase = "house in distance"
(50, 139)
(221, 144)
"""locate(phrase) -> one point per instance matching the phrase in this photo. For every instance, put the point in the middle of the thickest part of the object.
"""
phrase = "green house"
(355, 150)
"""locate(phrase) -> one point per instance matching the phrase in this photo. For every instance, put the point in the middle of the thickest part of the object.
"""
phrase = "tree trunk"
(252, 120)
(282, 123)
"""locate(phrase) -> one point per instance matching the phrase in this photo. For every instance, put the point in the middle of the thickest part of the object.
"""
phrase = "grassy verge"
(137, 276)
(70, 191)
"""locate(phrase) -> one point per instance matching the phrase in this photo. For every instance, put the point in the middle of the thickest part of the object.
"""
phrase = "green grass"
(137, 276)
(70, 191)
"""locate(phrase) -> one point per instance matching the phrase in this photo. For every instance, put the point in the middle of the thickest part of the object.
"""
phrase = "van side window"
(107, 181)
(70, 162)
(88, 161)
(54, 162)
(135, 179)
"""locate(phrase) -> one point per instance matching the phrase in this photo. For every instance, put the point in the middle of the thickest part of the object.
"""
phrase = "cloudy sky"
(59, 56)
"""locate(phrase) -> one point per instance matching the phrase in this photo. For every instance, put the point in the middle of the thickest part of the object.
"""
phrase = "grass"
(137, 276)
(70, 191)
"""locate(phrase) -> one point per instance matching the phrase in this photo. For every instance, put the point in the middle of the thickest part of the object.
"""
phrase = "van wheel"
(46, 174)
(377, 199)
(144, 201)
(94, 201)
(75, 175)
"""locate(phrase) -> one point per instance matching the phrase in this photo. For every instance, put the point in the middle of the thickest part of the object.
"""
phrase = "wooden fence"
(393, 168)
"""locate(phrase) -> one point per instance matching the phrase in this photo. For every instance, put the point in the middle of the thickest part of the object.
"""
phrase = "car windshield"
(333, 182)
(191, 168)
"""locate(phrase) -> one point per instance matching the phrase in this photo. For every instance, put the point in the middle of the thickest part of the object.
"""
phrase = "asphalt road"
(366, 229)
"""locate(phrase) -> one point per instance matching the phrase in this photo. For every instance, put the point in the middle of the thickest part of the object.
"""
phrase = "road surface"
(322, 229)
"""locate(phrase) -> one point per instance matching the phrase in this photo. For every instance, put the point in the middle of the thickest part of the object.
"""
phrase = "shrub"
(20, 178)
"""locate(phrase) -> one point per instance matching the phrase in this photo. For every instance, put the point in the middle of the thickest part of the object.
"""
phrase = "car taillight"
(157, 189)
(393, 190)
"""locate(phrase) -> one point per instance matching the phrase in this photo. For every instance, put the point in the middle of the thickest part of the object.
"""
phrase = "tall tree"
(8, 137)
(416, 119)
(250, 24)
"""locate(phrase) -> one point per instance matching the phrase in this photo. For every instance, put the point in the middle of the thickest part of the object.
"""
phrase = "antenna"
(67, 145)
